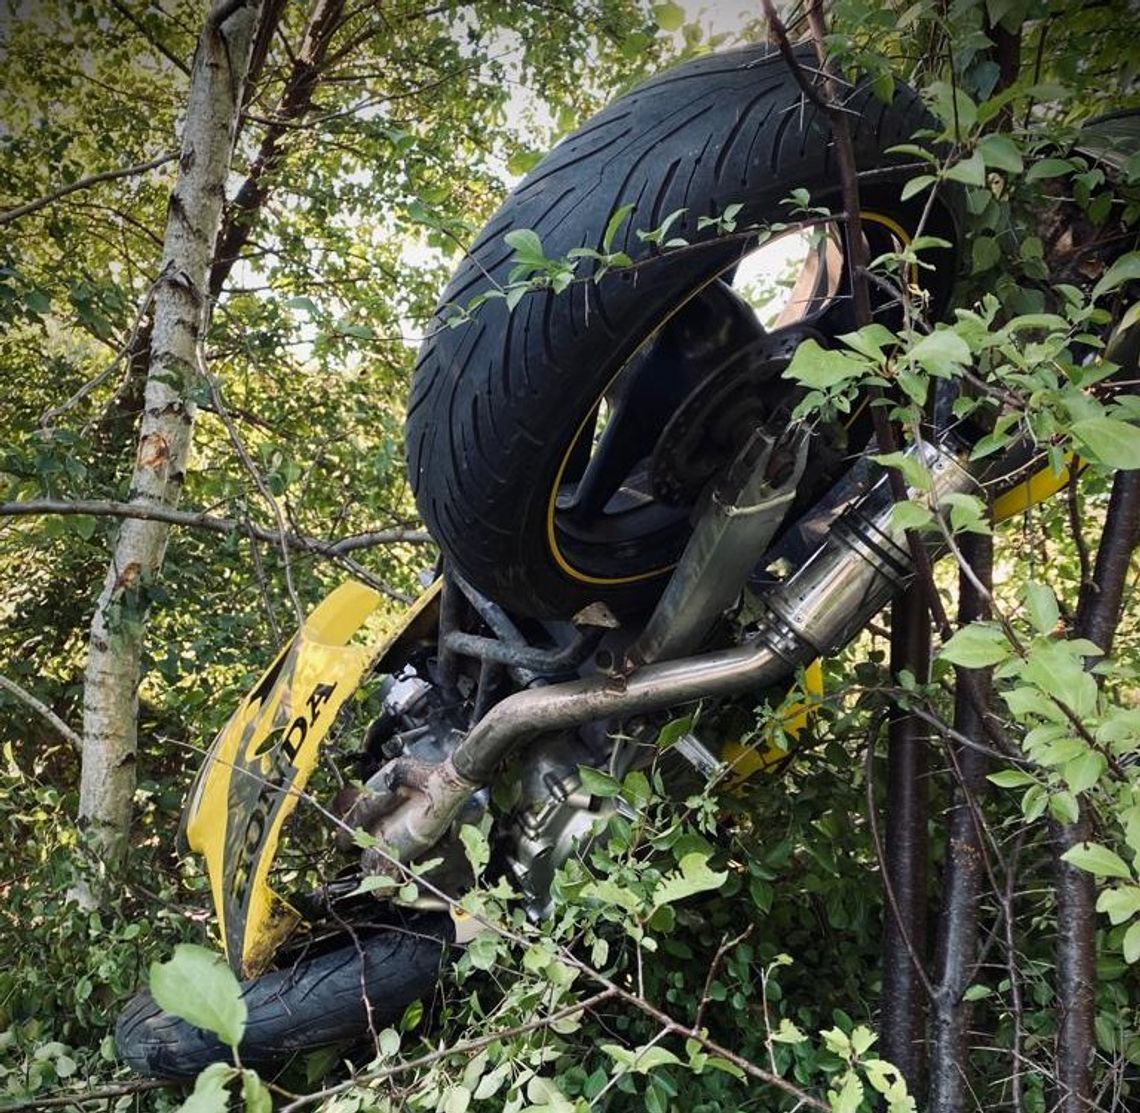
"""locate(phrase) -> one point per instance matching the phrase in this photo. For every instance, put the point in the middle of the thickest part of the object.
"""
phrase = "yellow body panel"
(749, 759)
(1037, 488)
(261, 761)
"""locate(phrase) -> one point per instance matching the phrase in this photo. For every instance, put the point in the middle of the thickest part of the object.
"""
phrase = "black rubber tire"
(313, 1003)
(496, 402)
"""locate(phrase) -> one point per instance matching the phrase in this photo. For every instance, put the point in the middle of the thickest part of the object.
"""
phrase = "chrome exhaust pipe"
(864, 562)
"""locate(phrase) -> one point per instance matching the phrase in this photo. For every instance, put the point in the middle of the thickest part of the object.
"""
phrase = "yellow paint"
(746, 760)
(1037, 488)
(263, 758)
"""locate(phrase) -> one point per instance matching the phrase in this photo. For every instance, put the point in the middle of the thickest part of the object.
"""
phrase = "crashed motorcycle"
(630, 522)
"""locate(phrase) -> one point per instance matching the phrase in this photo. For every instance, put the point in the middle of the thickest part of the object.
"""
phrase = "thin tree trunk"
(296, 100)
(1098, 613)
(181, 312)
(903, 1027)
(239, 217)
(962, 879)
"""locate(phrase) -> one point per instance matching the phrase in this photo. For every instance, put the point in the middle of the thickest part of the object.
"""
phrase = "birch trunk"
(180, 314)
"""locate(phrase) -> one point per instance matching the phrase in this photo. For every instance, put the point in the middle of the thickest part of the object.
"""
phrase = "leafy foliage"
(747, 917)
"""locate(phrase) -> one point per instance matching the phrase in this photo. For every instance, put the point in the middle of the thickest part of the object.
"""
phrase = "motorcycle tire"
(499, 402)
(336, 997)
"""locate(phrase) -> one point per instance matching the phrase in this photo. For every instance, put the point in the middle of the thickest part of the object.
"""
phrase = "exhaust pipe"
(864, 562)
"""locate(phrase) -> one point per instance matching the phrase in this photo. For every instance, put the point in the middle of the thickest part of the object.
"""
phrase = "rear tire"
(497, 402)
(316, 1002)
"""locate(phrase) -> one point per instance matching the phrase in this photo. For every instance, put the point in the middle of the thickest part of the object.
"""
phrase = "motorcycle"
(610, 469)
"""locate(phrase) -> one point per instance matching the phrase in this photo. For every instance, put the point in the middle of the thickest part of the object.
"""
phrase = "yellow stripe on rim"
(552, 503)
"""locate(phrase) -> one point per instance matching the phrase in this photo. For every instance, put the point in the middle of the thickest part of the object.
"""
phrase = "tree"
(175, 374)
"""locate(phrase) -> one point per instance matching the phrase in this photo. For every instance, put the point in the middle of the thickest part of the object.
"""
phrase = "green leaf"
(941, 352)
(787, 1032)
(1011, 778)
(1096, 859)
(597, 783)
(984, 254)
(1063, 807)
(916, 185)
(197, 986)
(483, 950)
(915, 474)
(210, 1094)
(669, 16)
(692, 876)
(1125, 269)
(389, 1041)
(953, 106)
(527, 245)
(83, 525)
(523, 162)
(883, 86)
(1082, 772)
(849, 1096)
(977, 646)
(1000, 153)
(360, 332)
(614, 223)
(1110, 442)
(911, 515)
(652, 1057)
(976, 993)
(476, 847)
(1121, 903)
(255, 1094)
(970, 171)
(1049, 168)
(1131, 945)
(38, 302)
(820, 368)
(455, 1100)
(1041, 604)
(870, 341)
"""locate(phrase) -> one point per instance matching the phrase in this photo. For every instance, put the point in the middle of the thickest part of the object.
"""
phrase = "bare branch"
(41, 709)
(9, 215)
(258, 480)
(85, 1097)
(109, 508)
(142, 29)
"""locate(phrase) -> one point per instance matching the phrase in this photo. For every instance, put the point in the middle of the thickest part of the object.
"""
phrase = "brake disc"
(715, 420)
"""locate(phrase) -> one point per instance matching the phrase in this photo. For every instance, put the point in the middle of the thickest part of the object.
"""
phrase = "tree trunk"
(180, 315)
(240, 216)
(1098, 613)
(907, 851)
(962, 879)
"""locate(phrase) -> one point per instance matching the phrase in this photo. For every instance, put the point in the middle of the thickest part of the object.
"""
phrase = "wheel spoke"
(625, 441)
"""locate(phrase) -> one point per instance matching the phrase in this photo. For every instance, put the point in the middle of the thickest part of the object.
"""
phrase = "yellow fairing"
(261, 761)
(747, 760)
(1037, 488)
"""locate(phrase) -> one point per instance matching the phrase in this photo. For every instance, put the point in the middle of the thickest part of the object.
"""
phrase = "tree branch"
(81, 1097)
(109, 508)
(41, 709)
(168, 54)
(295, 101)
(9, 215)
(1098, 613)
(961, 882)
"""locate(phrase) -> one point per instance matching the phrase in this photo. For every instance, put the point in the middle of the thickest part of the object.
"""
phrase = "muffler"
(863, 562)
